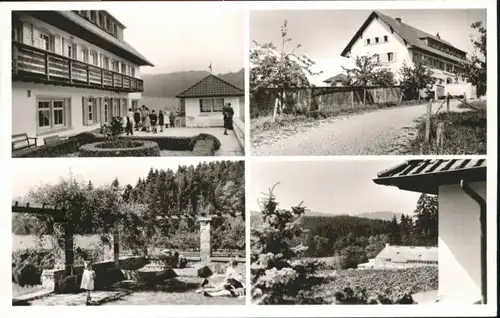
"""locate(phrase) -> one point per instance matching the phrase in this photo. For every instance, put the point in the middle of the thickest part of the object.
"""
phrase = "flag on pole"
(210, 67)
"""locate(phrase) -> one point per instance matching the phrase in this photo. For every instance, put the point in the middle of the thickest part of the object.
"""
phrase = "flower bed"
(120, 148)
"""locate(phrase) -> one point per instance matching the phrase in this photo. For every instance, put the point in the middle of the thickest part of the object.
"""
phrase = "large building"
(394, 42)
(462, 244)
(72, 71)
(395, 257)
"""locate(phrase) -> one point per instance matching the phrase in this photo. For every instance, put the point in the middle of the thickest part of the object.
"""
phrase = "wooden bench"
(22, 141)
(51, 140)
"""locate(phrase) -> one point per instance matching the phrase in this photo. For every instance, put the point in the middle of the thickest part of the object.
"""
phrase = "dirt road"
(380, 132)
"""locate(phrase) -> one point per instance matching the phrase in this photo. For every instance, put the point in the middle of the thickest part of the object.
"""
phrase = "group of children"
(143, 119)
(233, 285)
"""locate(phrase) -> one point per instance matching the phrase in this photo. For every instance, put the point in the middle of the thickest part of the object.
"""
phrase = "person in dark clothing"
(129, 128)
(161, 120)
(228, 113)
(154, 119)
(172, 119)
(137, 118)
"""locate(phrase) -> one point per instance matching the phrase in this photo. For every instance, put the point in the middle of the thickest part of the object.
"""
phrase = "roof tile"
(212, 86)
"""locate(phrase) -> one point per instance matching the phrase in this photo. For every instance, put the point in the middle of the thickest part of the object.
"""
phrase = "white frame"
(51, 111)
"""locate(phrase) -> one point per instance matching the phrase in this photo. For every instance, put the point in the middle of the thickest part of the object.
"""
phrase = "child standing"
(88, 278)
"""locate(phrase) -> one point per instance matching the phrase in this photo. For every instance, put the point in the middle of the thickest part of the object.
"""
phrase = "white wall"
(194, 118)
(459, 243)
(59, 34)
(395, 44)
(24, 107)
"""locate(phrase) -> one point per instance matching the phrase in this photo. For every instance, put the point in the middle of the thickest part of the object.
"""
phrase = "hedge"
(146, 148)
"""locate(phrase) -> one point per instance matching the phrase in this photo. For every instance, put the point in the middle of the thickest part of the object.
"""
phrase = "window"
(132, 71)
(376, 40)
(84, 55)
(376, 57)
(367, 41)
(211, 105)
(94, 58)
(105, 62)
(84, 13)
(93, 16)
(90, 110)
(449, 67)
(390, 57)
(124, 68)
(106, 110)
(386, 38)
(116, 66)
(101, 20)
(115, 30)
(51, 113)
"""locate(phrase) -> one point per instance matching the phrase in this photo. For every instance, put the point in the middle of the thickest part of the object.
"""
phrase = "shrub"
(27, 275)
(195, 139)
(59, 149)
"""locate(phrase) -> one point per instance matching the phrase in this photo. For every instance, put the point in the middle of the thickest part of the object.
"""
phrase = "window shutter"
(36, 39)
(394, 57)
(95, 108)
(201, 107)
(101, 110)
(85, 115)
(27, 39)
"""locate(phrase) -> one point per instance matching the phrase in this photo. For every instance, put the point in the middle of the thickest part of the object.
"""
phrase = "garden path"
(380, 132)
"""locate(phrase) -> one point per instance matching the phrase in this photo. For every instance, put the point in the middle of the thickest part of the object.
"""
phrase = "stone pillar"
(68, 249)
(116, 247)
(205, 242)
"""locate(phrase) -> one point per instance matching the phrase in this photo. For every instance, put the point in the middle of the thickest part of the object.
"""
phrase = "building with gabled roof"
(72, 71)
(337, 80)
(461, 188)
(395, 42)
(202, 103)
(395, 257)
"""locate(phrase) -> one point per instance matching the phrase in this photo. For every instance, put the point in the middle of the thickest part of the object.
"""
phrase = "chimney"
(398, 19)
(438, 36)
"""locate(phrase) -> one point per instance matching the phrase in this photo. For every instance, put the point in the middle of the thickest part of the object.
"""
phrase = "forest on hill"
(172, 84)
(159, 210)
(354, 240)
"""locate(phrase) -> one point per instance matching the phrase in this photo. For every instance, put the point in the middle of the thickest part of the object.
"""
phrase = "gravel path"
(380, 132)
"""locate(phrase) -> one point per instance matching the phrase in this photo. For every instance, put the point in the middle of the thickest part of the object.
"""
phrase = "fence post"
(428, 122)
(352, 98)
(448, 103)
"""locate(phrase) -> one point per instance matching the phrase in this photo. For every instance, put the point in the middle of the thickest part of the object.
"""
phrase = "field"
(375, 283)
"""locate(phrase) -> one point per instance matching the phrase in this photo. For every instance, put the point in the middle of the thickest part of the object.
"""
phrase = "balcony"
(37, 65)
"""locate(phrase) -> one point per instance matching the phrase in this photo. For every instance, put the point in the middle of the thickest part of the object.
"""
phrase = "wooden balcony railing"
(32, 63)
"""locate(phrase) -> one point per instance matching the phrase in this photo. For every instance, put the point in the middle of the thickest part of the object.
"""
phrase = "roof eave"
(201, 96)
(430, 182)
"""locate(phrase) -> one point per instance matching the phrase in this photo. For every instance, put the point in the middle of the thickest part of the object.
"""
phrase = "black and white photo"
(169, 234)
(122, 83)
(369, 232)
(368, 82)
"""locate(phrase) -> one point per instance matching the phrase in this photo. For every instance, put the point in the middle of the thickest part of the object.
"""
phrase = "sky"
(185, 39)
(101, 171)
(323, 34)
(333, 187)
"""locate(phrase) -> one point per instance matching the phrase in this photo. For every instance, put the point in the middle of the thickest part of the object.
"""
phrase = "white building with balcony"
(72, 71)
(394, 43)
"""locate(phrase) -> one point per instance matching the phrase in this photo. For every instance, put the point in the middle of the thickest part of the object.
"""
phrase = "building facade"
(72, 71)
(395, 43)
(461, 187)
(396, 257)
(201, 104)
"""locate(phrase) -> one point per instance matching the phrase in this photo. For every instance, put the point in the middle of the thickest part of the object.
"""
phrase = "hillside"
(172, 84)
(380, 215)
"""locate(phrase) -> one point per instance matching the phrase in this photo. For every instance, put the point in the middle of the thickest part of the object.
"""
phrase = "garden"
(109, 141)
(158, 234)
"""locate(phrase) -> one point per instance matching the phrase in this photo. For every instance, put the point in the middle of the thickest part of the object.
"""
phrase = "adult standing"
(154, 120)
(129, 129)
(161, 120)
(167, 117)
(137, 118)
(143, 117)
(228, 113)
(172, 119)
(147, 120)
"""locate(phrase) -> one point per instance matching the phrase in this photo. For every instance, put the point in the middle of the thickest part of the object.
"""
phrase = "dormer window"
(101, 20)
(115, 30)
(93, 17)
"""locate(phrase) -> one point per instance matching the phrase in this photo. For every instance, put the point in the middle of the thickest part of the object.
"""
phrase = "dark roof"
(212, 86)
(427, 175)
(336, 78)
(81, 21)
(413, 37)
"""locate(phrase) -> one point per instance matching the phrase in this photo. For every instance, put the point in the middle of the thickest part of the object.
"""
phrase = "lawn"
(465, 132)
